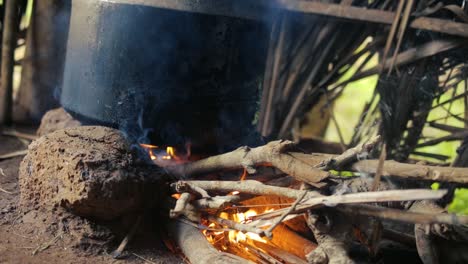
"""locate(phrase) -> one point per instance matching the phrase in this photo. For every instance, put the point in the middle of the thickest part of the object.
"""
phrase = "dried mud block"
(56, 119)
(90, 171)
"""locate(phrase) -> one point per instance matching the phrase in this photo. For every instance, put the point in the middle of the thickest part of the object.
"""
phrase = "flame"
(163, 157)
(216, 237)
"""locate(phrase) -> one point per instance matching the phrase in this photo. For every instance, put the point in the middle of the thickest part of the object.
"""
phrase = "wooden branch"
(285, 238)
(278, 253)
(425, 243)
(374, 15)
(236, 226)
(333, 233)
(14, 154)
(8, 61)
(183, 207)
(404, 216)
(118, 252)
(414, 171)
(248, 186)
(264, 9)
(397, 169)
(20, 135)
(196, 248)
(349, 155)
(272, 154)
(269, 231)
(364, 197)
(180, 205)
(217, 202)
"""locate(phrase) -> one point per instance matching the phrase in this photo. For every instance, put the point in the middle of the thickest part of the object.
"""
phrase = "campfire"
(268, 222)
(210, 126)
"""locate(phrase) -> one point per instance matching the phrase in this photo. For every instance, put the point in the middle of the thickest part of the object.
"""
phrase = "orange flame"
(162, 157)
(232, 236)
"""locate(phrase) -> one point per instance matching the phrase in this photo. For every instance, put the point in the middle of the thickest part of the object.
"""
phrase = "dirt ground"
(26, 237)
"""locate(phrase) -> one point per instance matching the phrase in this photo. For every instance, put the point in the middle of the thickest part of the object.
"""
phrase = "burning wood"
(251, 219)
(260, 234)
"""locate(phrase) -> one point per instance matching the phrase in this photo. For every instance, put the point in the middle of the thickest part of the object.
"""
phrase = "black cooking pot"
(165, 75)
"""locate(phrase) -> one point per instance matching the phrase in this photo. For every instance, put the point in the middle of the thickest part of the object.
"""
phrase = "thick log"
(197, 249)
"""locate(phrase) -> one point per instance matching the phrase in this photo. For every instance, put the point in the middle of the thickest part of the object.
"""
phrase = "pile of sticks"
(334, 208)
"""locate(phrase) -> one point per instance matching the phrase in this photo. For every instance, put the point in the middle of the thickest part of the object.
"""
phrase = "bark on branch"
(393, 168)
(272, 154)
(197, 249)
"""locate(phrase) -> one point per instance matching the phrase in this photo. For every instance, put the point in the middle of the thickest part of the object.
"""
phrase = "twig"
(14, 154)
(17, 134)
(118, 252)
(193, 190)
(181, 203)
(46, 245)
(373, 15)
(273, 153)
(5, 191)
(236, 226)
(378, 174)
(404, 216)
(248, 186)
(401, 32)
(2, 172)
(350, 155)
(144, 259)
(366, 197)
(278, 221)
(393, 168)
(217, 202)
(391, 34)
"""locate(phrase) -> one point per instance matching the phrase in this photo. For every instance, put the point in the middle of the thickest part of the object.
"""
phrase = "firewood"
(180, 206)
(395, 169)
(272, 154)
(196, 248)
(236, 226)
(334, 237)
(248, 186)
(365, 197)
(404, 216)
(350, 155)
(286, 239)
(217, 202)
(278, 253)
